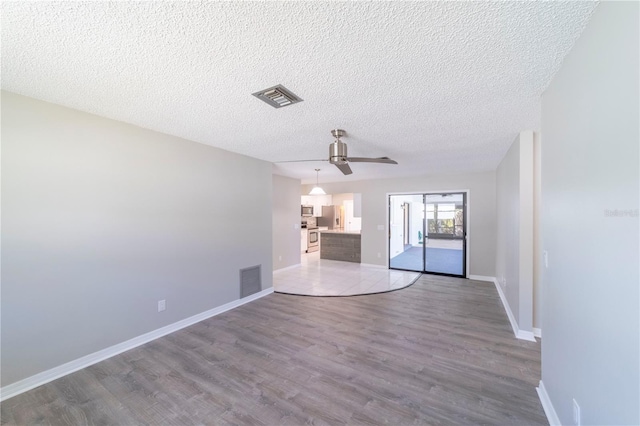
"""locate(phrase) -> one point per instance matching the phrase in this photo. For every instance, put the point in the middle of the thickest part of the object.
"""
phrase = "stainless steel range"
(313, 240)
(313, 236)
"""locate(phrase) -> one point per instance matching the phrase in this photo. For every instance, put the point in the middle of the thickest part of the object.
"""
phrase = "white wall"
(590, 127)
(508, 230)
(514, 245)
(537, 232)
(101, 219)
(339, 199)
(481, 212)
(286, 222)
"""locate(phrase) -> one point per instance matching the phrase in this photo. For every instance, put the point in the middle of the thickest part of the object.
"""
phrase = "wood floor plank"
(438, 352)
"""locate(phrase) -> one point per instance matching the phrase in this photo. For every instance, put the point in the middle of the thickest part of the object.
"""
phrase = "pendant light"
(316, 189)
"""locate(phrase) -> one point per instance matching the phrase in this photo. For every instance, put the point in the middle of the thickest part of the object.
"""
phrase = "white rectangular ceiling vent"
(278, 96)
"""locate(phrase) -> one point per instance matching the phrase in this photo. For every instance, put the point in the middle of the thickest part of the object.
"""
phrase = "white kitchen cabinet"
(317, 201)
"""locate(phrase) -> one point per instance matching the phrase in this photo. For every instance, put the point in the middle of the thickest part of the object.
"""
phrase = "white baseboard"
(482, 278)
(287, 268)
(547, 406)
(520, 334)
(537, 332)
(62, 370)
(526, 335)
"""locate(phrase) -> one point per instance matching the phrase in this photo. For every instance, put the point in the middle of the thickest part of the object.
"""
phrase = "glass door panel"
(445, 243)
(406, 232)
(427, 233)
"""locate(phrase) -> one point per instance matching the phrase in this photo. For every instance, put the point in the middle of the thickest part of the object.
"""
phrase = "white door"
(351, 223)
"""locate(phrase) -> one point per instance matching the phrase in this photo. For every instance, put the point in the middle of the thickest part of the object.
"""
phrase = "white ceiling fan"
(338, 155)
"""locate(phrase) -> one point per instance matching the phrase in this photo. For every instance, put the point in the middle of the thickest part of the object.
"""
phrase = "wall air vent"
(277, 96)
(250, 281)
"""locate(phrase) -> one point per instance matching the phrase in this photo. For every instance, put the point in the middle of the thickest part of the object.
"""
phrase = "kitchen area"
(330, 246)
(331, 224)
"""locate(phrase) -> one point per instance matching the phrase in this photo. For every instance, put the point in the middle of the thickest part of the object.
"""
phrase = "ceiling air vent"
(277, 96)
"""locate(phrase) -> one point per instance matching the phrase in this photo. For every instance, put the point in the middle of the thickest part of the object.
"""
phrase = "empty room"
(271, 213)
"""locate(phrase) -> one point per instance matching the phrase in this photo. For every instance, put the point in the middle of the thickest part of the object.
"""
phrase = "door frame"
(405, 222)
(467, 223)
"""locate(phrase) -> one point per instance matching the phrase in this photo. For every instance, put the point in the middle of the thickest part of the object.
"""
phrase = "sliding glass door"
(427, 233)
(406, 232)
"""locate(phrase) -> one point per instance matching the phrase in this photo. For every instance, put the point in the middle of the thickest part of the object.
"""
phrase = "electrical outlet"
(576, 413)
(379, 255)
(162, 305)
(280, 258)
(380, 227)
(545, 256)
(296, 225)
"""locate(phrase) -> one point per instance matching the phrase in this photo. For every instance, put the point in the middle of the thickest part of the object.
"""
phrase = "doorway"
(427, 233)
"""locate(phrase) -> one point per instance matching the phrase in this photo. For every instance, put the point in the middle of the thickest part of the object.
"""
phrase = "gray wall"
(101, 219)
(286, 222)
(482, 212)
(514, 245)
(590, 345)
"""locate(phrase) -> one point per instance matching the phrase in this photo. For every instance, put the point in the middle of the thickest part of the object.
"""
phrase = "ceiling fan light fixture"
(338, 157)
(316, 190)
(338, 152)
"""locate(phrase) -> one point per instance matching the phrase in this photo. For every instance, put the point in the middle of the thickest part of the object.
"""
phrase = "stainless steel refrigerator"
(332, 217)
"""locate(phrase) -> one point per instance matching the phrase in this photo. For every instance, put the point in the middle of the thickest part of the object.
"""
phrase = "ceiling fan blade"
(344, 168)
(298, 161)
(385, 160)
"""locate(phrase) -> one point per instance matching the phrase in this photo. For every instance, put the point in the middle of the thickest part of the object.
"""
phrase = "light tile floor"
(321, 277)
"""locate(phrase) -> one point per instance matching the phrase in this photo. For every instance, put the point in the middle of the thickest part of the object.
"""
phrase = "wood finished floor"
(438, 352)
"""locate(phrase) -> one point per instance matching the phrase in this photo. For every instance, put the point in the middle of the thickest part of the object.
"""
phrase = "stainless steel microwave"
(307, 211)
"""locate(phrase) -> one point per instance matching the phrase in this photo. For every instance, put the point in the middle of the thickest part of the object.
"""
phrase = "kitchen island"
(337, 244)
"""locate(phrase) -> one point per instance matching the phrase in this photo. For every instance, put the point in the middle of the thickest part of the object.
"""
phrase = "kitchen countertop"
(339, 231)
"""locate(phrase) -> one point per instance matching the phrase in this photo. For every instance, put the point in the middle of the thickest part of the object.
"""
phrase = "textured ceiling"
(441, 87)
